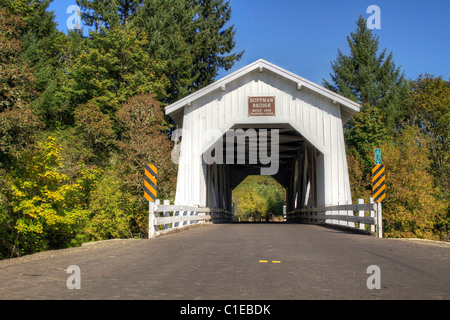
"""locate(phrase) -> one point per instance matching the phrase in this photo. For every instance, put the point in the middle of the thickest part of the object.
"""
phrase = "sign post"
(378, 188)
(150, 194)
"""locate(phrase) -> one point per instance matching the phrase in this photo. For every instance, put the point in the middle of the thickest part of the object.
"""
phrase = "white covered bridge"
(264, 120)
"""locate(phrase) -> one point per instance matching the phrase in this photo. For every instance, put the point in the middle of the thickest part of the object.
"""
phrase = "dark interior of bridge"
(246, 149)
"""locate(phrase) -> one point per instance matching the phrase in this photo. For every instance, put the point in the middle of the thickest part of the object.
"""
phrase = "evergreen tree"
(371, 78)
(365, 133)
(170, 29)
(112, 67)
(212, 43)
(189, 36)
(43, 48)
(108, 13)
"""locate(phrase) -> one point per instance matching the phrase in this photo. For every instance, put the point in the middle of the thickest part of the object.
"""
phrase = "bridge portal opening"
(275, 150)
(259, 199)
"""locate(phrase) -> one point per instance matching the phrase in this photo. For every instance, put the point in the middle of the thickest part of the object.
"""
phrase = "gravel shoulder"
(426, 242)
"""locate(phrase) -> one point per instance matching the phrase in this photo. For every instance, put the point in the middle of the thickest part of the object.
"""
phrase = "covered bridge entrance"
(264, 120)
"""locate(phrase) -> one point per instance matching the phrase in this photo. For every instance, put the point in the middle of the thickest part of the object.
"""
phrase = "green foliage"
(416, 156)
(142, 141)
(188, 36)
(364, 132)
(47, 206)
(431, 112)
(413, 207)
(212, 44)
(99, 13)
(21, 8)
(99, 101)
(16, 78)
(43, 48)
(360, 179)
(170, 29)
(371, 78)
(95, 132)
(108, 217)
(8, 233)
(112, 68)
(258, 197)
(17, 89)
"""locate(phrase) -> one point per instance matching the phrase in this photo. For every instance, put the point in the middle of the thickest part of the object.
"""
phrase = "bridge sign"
(378, 187)
(150, 182)
(261, 106)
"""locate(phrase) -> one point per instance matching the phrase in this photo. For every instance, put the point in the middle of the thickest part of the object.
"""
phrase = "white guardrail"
(355, 216)
(165, 217)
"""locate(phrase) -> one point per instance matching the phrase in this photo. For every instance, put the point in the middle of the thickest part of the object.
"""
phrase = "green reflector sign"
(377, 156)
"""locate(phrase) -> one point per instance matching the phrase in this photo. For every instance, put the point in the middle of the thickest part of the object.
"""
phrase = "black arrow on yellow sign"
(150, 182)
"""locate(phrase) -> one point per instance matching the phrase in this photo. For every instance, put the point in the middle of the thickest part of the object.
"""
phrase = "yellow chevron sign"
(378, 187)
(150, 182)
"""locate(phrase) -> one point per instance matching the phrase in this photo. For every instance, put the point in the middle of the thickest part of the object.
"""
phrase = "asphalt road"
(237, 262)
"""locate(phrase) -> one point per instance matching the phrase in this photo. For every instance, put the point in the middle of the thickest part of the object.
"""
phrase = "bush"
(46, 205)
(412, 207)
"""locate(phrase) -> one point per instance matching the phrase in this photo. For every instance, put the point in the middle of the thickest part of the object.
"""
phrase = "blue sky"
(304, 36)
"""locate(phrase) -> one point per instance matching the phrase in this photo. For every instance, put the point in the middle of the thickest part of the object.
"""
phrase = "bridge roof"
(261, 64)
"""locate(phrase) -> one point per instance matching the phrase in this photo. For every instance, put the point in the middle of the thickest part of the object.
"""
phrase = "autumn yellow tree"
(412, 207)
(431, 112)
(47, 205)
(258, 197)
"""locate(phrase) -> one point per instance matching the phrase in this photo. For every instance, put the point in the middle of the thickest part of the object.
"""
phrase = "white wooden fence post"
(380, 221)
(362, 226)
(166, 213)
(193, 213)
(372, 214)
(151, 219)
